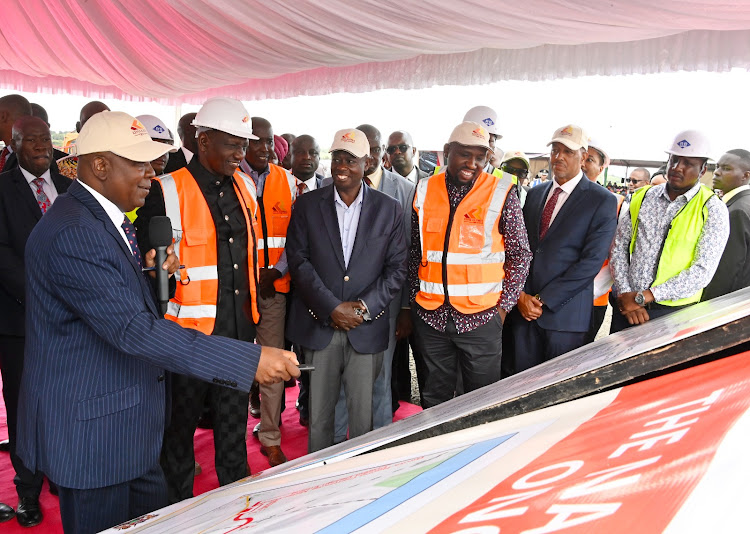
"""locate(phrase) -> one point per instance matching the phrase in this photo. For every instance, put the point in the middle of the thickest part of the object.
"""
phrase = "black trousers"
(597, 318)
(86, 511)
(28, 484)
(535, 345)
(229, 407)
(476, 354)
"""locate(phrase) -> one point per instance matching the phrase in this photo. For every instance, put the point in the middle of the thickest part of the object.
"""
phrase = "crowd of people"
(476, 274)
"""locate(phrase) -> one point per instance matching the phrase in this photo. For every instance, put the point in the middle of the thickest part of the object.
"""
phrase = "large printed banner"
(664, 455)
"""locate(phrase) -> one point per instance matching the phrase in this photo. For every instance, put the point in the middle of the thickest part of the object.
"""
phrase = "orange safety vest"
(279, 193)
(473, 255)
(194, 302)
(603, 300)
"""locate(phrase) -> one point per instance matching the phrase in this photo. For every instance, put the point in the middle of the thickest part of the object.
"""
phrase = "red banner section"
(629, 469)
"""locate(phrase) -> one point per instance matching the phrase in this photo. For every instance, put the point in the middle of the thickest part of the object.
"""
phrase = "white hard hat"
(156, 128)
(597, 145)
(226, 115)
(691, 143)
(484, 115)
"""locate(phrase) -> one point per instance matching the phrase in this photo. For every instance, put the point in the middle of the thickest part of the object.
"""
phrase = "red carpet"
(293, 442)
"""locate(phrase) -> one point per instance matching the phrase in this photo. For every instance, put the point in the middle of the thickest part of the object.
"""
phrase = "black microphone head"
(160, 231)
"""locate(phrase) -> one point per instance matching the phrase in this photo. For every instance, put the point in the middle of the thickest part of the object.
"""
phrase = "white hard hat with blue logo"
(692, 144)
(486, 116)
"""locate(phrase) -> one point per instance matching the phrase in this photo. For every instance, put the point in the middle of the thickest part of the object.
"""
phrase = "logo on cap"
(137, 128)
(683, 144)
(488, 121)
(481, 133)
(245, 119)
(567, 131)
(349, 137)
(158, 129)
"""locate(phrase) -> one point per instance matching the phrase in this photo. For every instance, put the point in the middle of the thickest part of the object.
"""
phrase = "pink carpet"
(293, 442)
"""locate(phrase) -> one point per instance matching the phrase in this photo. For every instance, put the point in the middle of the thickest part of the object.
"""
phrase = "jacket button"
(216, 380)
(233, 384)
(160, 378)
(346, 278)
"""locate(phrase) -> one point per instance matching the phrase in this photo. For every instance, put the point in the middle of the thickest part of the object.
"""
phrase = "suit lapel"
(25, 193)
(363, 229)
(78, 191)
(576, 196)
(387, 184)
(536, 220)
(331, 222)
(737, 197)
(62, 183)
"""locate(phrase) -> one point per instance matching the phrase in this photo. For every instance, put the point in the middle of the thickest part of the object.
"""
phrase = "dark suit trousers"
(477, 354)
(597, 318)
(535, 345)
(28, 484)
(229, 407)
(93, 510)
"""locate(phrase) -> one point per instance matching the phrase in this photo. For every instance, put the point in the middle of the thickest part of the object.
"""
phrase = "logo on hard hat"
(245, 119)
(349, 137)
(488, 121)
(158, 129)
(683, 144)
(480, 132)
(568, 130)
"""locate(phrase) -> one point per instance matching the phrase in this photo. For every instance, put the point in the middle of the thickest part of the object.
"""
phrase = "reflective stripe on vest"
(603, 299)
(475, 254)
(678, 250)
(279, 193)
(194, 302)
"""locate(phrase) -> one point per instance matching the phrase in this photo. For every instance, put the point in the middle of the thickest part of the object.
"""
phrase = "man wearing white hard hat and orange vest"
(596, 161)
(570, 222)
(468, 261)
(93, 394)
(670, 240)
(213, 209)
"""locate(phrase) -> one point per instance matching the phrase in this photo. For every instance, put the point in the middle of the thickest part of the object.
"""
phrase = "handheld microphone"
(160, 233)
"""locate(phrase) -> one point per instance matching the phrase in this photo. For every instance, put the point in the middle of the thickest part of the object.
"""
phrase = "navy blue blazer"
(376, 271)
(571, 254)
(92, 402)
(19, 213)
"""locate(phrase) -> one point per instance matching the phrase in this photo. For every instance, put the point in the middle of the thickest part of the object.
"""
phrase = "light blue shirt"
(348, 217)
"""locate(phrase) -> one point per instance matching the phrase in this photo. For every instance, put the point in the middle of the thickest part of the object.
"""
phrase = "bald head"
(33, 144)
(401, 152)
(12, 107)
(638, 178)
(186, 131)
(39, 111)
(305, 157)
(88, 111)
(376, 147)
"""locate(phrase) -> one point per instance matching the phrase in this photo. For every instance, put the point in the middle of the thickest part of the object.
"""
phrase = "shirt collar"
(568, 186)
(30, 177)
(358, 200)
(727, 197)
(688, 195)
(112, 211)
(412, 176)
(376, 177)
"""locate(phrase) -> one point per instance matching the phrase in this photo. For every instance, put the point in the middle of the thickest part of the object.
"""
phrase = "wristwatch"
(640, 299)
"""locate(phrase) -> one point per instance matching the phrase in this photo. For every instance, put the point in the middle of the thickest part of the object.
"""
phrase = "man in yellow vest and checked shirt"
(669, 242)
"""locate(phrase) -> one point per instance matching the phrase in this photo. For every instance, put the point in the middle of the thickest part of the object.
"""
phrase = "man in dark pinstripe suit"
(93, 400)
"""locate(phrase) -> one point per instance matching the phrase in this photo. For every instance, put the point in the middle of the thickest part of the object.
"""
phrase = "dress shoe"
(255, 400)
(28, 513)
(274, 453)
(6, 512)
(5, 445)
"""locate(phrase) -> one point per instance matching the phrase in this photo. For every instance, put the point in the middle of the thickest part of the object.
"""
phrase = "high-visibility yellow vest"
(279, 193)
(194, 302)
(474, 252)
(678, 251)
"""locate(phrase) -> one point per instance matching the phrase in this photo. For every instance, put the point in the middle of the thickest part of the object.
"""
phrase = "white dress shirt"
(47, 186)
(567, 189)
(112, 211)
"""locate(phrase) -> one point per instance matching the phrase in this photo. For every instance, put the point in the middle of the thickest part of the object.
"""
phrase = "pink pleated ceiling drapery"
(186, 50)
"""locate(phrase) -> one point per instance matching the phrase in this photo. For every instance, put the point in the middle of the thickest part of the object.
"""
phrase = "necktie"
(549, 208)
(4, 157)
(129, 229)
(368, 181)
(41, 196)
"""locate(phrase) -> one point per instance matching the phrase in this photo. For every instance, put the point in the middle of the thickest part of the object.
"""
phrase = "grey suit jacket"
(733, 272)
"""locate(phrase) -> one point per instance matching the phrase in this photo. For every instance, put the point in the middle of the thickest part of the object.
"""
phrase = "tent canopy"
(186, 50)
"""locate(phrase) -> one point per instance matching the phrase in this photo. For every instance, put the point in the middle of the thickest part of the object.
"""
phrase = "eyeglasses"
(634, 180)
(521, 173)
(401, 148)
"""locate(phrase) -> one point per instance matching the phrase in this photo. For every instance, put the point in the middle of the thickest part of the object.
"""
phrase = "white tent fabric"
(186, 50)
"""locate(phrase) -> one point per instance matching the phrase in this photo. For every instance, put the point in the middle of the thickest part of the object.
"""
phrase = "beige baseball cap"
(121, 134)
(572, 136)
(516, 154)
(470, 134)
(353, 141)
